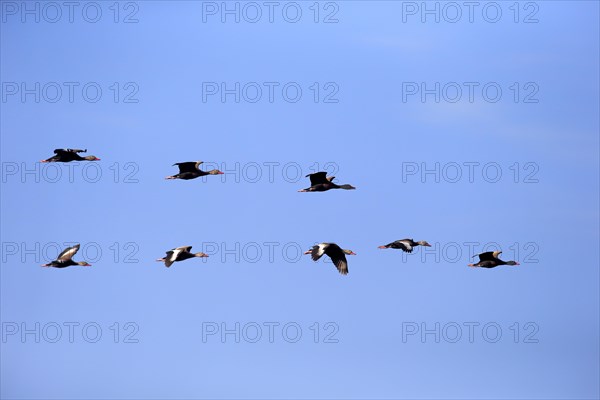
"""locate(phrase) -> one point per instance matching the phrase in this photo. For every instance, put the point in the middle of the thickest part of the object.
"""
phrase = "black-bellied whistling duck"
(490, 259)
(406, 245)
(64, 259)
(180, 254)
(320, 182)
(335, 252)
(191, 170)
(68, 155)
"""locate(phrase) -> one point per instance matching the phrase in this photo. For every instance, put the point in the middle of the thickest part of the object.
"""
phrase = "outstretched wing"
(170, 258)
(60, 151)
(185, 249)
(341, 264)
(173, 254)
(487, 256)
(318, 178)
(338, 258)
(318, 251)
(68, 253)
(190, 166)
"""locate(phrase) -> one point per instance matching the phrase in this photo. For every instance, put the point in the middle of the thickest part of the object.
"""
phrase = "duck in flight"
(68, 155)
(65, 259)
(490, 259)
(320, 182)
(191, 170)
(179, 254)
(405, 245)
(335, 252)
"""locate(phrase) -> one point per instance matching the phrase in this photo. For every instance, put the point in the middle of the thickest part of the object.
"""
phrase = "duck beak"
(352, 253)
(308, 252)
(427, 245)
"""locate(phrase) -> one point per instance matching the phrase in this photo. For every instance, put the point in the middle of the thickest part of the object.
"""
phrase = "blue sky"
(547, 219)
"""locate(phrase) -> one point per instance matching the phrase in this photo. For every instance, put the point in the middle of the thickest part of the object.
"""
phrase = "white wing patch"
(174, 254)
(407, 245)
(321, 250)
(318, 250)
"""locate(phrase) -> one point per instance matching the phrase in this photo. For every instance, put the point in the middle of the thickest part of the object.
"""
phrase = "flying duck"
(64, 259)
(191, 170)
(320, 182)
(179, 254)
(335, 252)
(68, 155)
(406, 245)
(490, 259)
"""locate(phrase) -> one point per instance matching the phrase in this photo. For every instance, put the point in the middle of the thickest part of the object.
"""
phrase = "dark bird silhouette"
(406, 245)
(320, 182)
(191, 170)
(179, 254)
(65, 259)
(68, 155)
(490, 260)
(335, 252)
